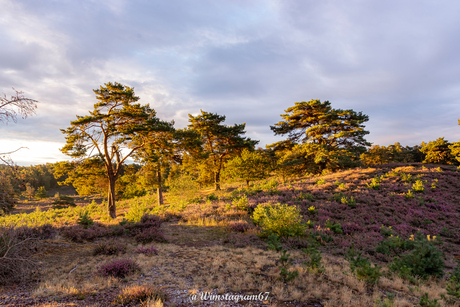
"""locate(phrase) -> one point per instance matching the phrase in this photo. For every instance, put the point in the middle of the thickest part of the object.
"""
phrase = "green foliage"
(321, 181)
(219, 142)
(281, 219)
(7, 201)
(391, 154)
(374, 184)
(362, 267)
(418, 186)
(336, 228)
(319, 137)
(274, 243)
(386, 231)
(41, 193)
(307, 196)
(387, 302)
(424, 260)
(426, 302)
(315, 257)
(409, 194)
(136, 211)
(63, 201)
(241, 203)
(249, 166)
(84, 219)
(285, 262)
(438, 152)
(112, 132)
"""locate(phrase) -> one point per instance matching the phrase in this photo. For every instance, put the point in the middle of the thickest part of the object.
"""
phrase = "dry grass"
(216, 267)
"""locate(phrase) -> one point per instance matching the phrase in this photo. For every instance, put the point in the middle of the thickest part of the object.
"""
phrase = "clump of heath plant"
(109, 248)
(119, 268)
(147, 251)
(281, 219)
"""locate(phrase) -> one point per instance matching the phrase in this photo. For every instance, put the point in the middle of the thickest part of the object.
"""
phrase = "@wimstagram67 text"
(208, 296)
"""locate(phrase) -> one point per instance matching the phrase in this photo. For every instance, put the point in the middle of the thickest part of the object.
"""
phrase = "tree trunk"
(111, 198)
(217, 180)
(247, 183)
(159, 189)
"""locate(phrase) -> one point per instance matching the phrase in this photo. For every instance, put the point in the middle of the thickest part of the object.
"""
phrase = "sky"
(396, 61)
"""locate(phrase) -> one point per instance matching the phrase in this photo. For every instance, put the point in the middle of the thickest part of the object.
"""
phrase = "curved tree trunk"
(217, 180)
(111, 198)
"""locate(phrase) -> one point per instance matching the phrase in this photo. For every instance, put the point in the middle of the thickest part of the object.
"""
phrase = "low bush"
(84, 219)
(362, 267)
(109, 248)
(16, 249)
(282, 219)
(119, 268)
(238, 226)
(140, 293)
(79, 233)
(63, 201)
(424, 260)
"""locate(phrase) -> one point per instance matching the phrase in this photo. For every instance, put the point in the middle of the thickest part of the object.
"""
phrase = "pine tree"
(320, 137)
(219, 142)
(114, 131)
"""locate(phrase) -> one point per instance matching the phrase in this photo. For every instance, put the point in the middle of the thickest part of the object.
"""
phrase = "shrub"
(41, 193)
(140, 293)
(119, 268)
(149, 235)
(241, 202)
(84, 220)
(336, 228)
(285, 262)
(374, 184)
(362, 267)
(109, 248)
(137, 210)
(424, 260)
(315, 257)
(426, 302)
(80, 234)
(63, 201)
(238, 226)
(321, 181)
(418, 186)
(16, 249)
(212, 197)
(147, 250)
(282, 219)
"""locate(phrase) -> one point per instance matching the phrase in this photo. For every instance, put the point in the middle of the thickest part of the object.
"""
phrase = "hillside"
(210, 243)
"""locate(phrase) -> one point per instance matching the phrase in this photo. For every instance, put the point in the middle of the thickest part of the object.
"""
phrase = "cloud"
(248, 60)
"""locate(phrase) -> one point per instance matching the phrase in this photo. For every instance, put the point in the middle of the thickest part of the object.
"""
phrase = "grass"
(204, 254)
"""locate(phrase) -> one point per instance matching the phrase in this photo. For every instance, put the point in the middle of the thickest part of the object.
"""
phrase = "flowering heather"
(119, 268)
(150, 235)
(433, 209)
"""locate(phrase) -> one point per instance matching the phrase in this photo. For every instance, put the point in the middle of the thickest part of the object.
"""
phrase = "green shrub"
(84, 219)
(321, 181)
(285, 262)
(281, 219)
(315, 257)
(362, 267)
(136, 211)
(418, 186)
(41, 193)
(63, 201)
(336, 228)
(374, 184)
(424, 260)
(426, 302)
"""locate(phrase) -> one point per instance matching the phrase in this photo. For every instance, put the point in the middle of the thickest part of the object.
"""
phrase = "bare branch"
(17, 105)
